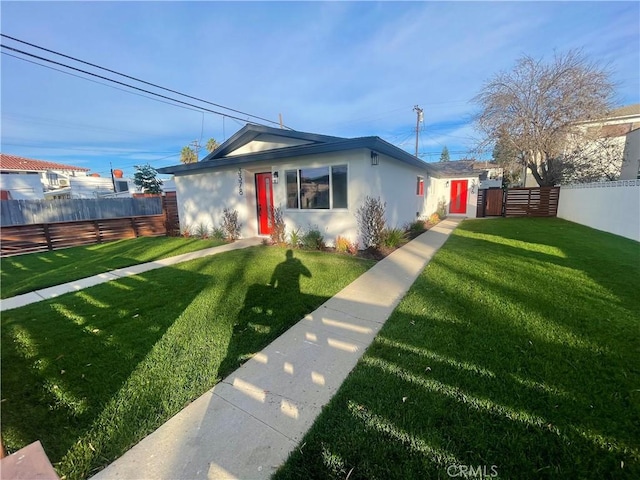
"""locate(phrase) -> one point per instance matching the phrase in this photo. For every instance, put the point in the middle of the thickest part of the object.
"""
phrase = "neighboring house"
(317, 180)
(631, 156)
(613, 140)
(82, 187)
(19, 174)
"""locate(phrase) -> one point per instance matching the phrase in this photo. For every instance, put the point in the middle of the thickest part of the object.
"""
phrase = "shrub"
(344, 245)
(295, 239)
(185, 231)
(416, 228)
(434, 218)
(230, 224)
(442, 209)
(394, 237)
(278, 228)
(371, 223)
(201, 231)
(218, 233)
(313, 239)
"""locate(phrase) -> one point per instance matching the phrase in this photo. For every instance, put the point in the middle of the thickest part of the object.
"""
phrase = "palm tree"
(188, 155)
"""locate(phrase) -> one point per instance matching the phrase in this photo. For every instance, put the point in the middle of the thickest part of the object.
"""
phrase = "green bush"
(394, 237)
(416, 228)
(434, 218)
(218, 233)
(313, 239)
(295, 239)
(201, 231)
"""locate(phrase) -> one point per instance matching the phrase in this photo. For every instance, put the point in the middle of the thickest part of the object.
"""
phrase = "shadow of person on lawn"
(269, 310)
(287, 274)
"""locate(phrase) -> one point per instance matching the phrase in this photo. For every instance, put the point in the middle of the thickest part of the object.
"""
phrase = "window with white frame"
(317, 188)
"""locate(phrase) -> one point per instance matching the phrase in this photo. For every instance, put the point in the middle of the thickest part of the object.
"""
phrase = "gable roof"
(462, 168)
(626, 111)
(14, 162)
(311, 144)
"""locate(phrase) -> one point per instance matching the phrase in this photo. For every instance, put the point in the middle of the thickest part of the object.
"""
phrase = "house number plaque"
(240, 192)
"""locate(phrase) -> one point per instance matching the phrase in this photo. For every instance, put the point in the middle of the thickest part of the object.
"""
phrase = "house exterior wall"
(202, 196)
(22, 186)
(440, 191)
(631, 163)
(266, 142)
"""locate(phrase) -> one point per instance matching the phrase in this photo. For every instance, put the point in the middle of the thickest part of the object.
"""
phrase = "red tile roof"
(13, 162)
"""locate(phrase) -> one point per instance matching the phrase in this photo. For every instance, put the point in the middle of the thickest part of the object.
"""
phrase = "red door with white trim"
(458, 201)
(264, 197)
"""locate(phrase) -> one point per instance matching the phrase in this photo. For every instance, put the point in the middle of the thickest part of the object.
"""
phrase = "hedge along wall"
(612, 207)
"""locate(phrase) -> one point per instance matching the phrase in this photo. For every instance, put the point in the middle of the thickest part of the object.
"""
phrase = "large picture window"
(318, 188)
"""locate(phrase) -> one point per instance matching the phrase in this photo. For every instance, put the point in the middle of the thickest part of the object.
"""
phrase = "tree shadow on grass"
(63, 359)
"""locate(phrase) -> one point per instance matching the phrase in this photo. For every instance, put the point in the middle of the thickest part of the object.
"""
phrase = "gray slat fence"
(28, 212)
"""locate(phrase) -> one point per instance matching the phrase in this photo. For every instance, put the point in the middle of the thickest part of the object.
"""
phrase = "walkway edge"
(247, 425)
(80, 284)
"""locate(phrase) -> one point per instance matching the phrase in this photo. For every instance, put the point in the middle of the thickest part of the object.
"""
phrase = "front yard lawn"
(91, 373)
(33, 271)
(516, 354)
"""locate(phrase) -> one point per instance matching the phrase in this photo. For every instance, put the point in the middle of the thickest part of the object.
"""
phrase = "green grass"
(515, 353)
(25, 273)
(91, 373)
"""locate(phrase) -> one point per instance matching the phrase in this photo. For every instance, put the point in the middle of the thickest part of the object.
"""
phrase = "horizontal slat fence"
(532, 202)
(41, 237)
(22, 212)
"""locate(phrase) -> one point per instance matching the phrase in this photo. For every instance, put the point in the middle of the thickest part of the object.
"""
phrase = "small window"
(292, 188)
(420, 187)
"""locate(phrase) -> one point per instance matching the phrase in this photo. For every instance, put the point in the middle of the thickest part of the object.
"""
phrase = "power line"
(139, 80)
(101, 83)
(121, 83)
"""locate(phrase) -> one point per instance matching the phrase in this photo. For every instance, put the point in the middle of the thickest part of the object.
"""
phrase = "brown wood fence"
(41, 237)
(532, 202)
(170, 208)
(518, 202)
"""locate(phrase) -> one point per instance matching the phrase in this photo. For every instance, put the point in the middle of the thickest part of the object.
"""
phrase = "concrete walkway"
(52, 292)
(246, 426)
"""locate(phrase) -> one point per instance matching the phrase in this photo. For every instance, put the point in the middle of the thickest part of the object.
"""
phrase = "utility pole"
(196, 148)
(420, 118)
(281, 125)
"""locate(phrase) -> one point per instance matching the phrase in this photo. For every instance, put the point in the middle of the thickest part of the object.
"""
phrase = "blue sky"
(338, 68)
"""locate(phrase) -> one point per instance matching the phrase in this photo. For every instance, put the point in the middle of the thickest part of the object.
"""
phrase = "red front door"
(458, 202)
(264, 197)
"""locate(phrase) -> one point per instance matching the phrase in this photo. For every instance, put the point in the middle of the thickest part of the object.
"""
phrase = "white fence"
(609, 206)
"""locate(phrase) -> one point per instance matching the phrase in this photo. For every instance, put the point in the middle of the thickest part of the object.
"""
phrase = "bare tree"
(593, 161)
(538, 105)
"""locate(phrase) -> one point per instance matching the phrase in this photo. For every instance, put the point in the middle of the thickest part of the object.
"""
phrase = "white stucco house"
(316, 180)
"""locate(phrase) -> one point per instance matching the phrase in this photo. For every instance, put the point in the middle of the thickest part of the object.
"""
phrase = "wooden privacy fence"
(531, 202)
(44, 236)
(518, 202)
(23, 212)
(40, 237)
